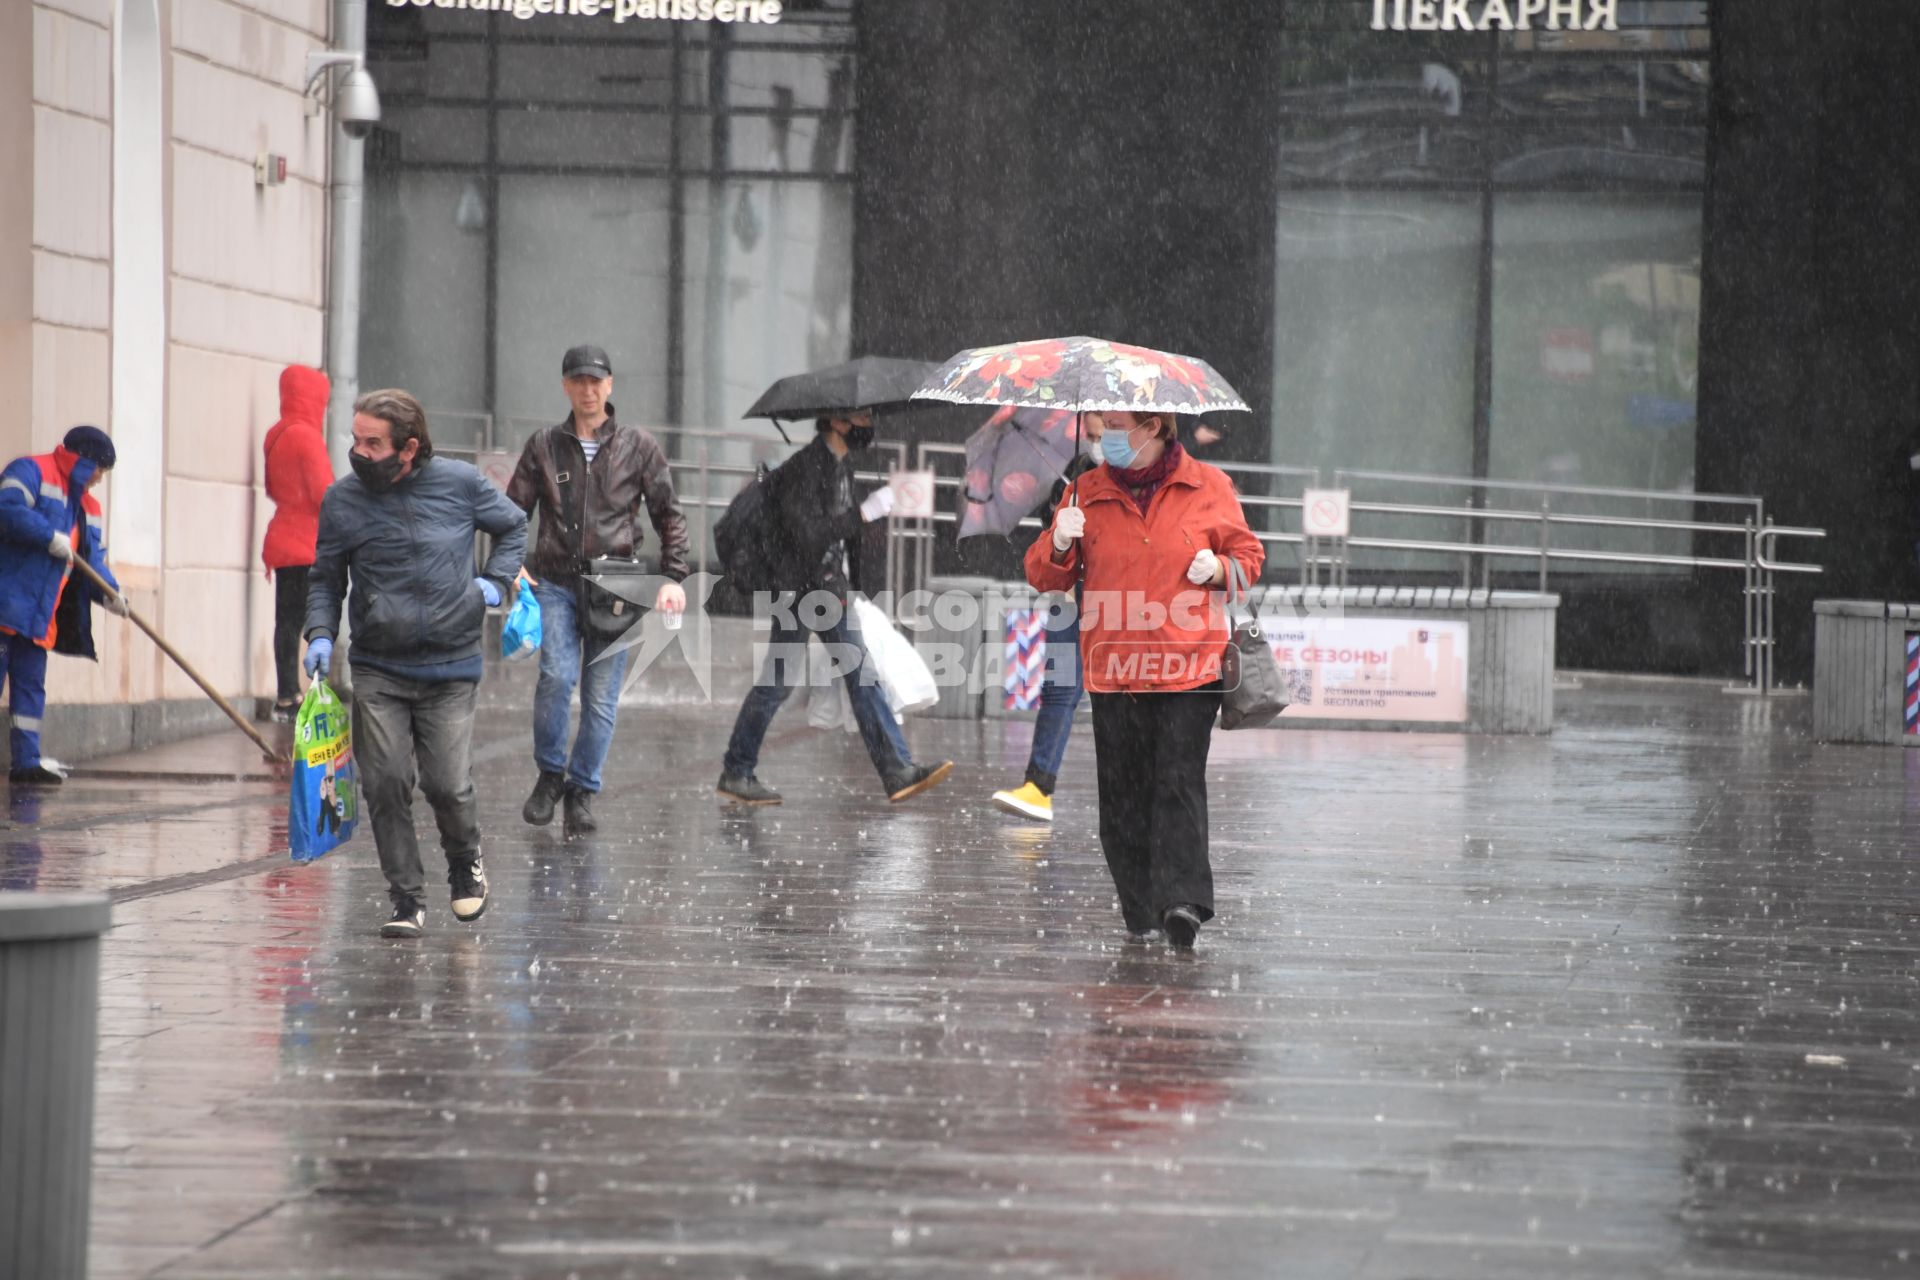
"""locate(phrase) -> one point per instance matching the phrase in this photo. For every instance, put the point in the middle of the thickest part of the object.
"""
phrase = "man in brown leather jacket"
(588, 476)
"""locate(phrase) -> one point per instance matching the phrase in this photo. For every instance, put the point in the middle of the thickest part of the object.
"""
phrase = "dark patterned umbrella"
(1012, 461)
(1081, 374)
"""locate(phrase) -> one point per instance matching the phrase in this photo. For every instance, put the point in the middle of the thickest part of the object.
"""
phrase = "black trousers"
(1151, 755)
(289, 615)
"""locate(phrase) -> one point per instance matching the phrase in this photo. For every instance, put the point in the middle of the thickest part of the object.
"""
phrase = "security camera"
(356, 103)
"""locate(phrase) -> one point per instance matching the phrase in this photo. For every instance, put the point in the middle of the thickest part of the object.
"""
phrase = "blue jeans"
(568, 659)
(1059, 698)
(787, 648)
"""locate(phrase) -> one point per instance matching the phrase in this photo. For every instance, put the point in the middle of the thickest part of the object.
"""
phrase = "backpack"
(746, 540)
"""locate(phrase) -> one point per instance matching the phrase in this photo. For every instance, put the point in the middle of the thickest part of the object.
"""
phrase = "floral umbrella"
(1080, 374)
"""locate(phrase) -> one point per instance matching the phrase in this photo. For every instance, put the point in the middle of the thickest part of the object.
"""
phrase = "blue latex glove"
(319, 660)
(488, 592)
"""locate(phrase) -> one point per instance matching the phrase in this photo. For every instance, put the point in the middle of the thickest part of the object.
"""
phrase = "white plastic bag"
(904, 675)
(903, 672)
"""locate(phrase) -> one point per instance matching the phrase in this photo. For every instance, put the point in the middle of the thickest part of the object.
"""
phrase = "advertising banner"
(1373, 668)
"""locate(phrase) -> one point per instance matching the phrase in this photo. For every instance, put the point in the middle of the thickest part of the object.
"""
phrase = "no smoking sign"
(913, 495)
(1324, 513)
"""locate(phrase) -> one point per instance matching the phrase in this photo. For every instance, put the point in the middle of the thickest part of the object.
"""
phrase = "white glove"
(60, 547)
(1205, 565)
(879, 504)
(115, 604)
(1068, 523)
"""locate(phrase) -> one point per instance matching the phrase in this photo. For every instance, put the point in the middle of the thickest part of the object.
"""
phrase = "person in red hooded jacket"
(298, 473)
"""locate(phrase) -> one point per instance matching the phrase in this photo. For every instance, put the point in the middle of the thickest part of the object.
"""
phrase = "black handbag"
(612, 595)
(1253, 691)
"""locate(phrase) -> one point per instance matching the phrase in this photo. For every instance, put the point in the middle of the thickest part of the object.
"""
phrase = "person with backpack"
(588, 478)
(795, 531)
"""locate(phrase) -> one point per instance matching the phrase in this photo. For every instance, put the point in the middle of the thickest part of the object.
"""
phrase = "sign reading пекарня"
(1496, 15)
(618, 10)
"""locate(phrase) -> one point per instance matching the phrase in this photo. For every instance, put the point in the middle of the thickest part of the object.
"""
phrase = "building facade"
(148, 285)
(1659, 245)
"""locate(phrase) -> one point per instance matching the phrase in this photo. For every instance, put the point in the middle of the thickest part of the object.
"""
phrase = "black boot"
(747, 790)
(579, 815)
(538, 811)
(921, 777)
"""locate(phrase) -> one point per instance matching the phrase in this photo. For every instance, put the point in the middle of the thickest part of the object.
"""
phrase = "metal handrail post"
(1750, 623)
(1546, 539)
(706, 511)
(1766, 603)
(1466, 557)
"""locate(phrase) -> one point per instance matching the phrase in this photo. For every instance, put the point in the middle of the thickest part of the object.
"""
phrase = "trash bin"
(1866, 664)
(49, 1016)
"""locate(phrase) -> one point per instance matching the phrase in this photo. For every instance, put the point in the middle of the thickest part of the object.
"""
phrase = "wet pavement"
(1636, 1000)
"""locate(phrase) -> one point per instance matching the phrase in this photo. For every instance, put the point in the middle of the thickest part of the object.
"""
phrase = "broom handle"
(140, 622)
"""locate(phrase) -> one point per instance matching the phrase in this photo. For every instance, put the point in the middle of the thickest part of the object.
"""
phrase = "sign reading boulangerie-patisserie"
(1496, 15)
(620, 11)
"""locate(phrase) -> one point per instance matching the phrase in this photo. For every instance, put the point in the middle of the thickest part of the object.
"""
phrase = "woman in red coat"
(1149, 543)
(298, 474)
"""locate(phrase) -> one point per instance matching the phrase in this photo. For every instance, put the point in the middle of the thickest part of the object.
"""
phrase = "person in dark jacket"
(298, 473)
(588, 477)
(47, 519)
(1060, 691)
(813, 508)
(402, 528)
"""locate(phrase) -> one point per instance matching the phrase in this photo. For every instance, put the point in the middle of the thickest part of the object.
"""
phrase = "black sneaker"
(538, 810)
(579, 812)
(469, 891)
(36, 776)
(1182, 925)
(747, 790)
(409, 920)
(922, 777)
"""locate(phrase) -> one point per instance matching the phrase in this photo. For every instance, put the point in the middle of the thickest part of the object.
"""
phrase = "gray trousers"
(398, 723)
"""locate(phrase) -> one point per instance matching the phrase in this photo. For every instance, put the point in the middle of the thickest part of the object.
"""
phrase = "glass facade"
(677, 193)
(1488, 256)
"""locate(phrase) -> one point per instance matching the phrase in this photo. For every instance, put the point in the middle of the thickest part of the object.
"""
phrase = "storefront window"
(1373, 344)
(678, 193)
(581, 260)
(1489, 263)
(423, 303)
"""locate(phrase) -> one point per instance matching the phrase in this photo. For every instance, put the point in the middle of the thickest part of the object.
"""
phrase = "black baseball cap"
(585, 360)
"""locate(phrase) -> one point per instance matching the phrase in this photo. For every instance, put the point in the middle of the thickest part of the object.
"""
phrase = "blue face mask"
(1118, 450)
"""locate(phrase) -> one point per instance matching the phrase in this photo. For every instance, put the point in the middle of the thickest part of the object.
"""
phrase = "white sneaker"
(470, 894)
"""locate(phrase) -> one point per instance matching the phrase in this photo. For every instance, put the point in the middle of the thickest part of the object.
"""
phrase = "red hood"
(303, 399)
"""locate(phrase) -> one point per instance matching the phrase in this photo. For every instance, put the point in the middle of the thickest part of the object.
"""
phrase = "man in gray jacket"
(402, 525)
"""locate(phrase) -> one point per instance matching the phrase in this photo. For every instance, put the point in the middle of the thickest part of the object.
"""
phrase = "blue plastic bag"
(521, 634)
(326, 791)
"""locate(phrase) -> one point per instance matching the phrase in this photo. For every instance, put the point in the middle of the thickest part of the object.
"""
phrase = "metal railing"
(1755, 554)
(704, 455)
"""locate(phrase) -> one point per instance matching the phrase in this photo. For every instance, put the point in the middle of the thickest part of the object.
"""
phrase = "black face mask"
(859, 437)
(378, 476)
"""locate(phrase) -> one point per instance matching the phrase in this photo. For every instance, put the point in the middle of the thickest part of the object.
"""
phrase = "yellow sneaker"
(1028, 801)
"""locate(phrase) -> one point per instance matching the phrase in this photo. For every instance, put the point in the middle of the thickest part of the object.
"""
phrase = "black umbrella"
(865, 383)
